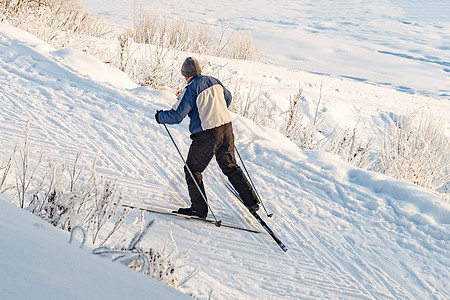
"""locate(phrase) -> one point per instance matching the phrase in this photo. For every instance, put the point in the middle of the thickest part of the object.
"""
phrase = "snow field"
(397, 43)
(351, 234)
(39, 263)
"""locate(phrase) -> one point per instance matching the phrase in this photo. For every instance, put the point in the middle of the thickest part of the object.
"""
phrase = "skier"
(205, 100)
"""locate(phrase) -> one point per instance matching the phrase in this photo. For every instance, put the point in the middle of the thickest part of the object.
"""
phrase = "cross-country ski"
(174, 213)
(259, 219)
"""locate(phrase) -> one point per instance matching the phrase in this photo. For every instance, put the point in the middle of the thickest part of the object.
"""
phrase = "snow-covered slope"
(39, 263)
(402, 44)
(350, 233)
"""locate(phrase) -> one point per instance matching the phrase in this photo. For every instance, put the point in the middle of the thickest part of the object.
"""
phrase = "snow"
(402, 44)
(39, 263)
(351, 233)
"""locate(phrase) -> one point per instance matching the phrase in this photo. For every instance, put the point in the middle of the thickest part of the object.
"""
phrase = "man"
(205, 100)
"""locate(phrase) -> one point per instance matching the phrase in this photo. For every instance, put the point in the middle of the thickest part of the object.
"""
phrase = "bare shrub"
(155, 72)
(158, 30)
(25, 169)
(415, 149)
(162, 39)
(12, 8)
(253, 104)
(124, 51)
(59, 23)
(62, 195)
(345, 144)
(294, 116)
(241, 46)
(298, 128)
(67, 24)
(5, 173)
(66, 197)
(160, 264)
(304, 132)
(73, 201)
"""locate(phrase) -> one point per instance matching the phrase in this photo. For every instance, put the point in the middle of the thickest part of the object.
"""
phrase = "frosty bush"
(65, 196)
(76, 198)
(159, 30)
(415, 149)
(160, 264)
(298, 128)
(253, 104)
(67, 24)
(61, 23)
(304, 133)
(161, 39)
(25, 170)
(346, 145)
(5, 172)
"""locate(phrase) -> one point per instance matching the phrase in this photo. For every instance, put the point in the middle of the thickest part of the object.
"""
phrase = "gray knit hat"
(190, 67)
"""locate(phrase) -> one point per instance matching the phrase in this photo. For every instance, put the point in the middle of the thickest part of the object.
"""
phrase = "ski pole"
(217, 222)
(253, 185)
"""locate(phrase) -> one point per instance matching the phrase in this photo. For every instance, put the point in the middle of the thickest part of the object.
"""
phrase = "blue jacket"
(205, 100)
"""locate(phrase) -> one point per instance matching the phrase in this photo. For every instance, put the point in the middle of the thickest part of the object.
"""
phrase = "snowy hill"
(402, 44)
(39, 263)
(350, 233)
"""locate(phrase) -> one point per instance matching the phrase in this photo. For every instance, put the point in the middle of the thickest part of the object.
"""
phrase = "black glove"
(157, 116)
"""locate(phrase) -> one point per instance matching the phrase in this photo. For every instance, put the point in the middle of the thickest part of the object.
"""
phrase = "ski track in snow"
(345, 239)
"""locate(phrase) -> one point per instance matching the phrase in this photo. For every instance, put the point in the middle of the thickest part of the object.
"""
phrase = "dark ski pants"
(218, 141)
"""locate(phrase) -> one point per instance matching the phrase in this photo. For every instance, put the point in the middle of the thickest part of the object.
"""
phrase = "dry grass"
(183, 35)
